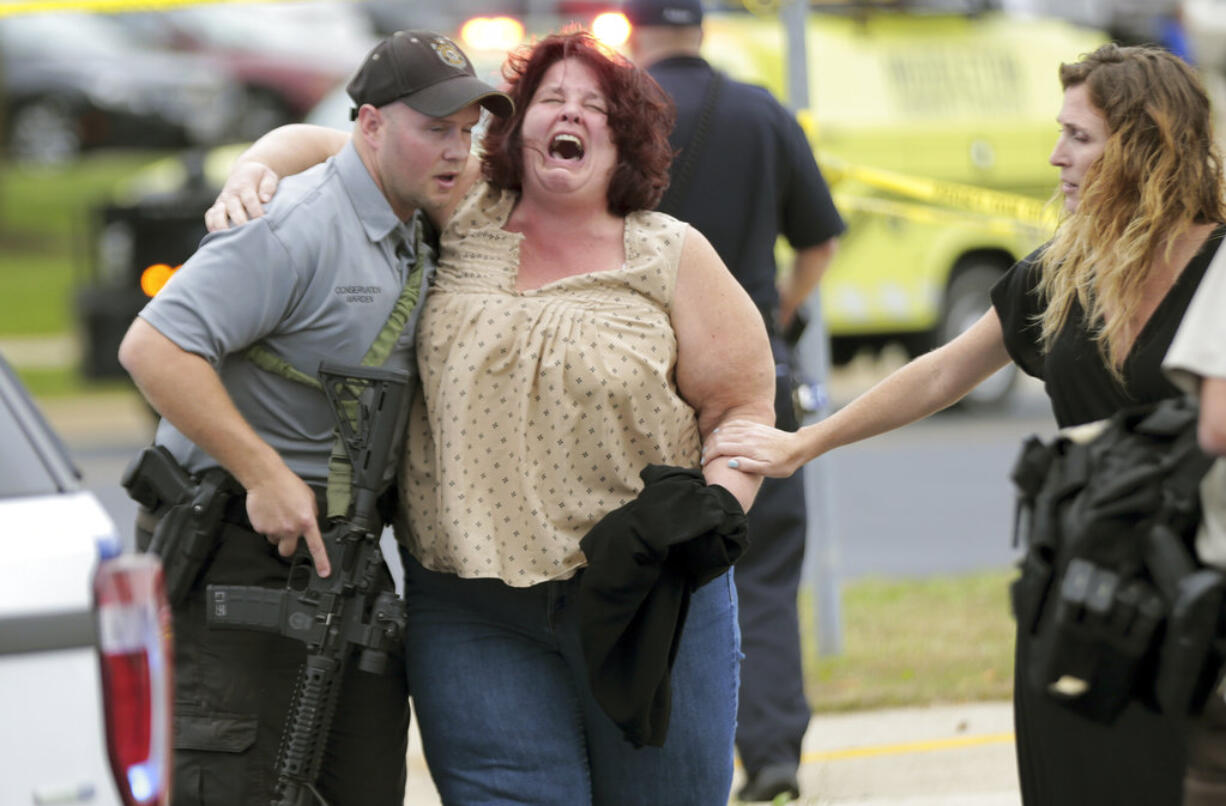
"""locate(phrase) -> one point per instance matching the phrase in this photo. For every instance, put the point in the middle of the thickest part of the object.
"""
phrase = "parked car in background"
(284, 56)
(85, 654)
(78, 81)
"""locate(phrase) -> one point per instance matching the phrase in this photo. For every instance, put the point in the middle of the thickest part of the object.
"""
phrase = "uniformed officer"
(744, 175)
(315, 279)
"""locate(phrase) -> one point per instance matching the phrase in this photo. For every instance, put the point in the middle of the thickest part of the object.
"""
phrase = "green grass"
(44, 228)
(915, 642)
(36, 291)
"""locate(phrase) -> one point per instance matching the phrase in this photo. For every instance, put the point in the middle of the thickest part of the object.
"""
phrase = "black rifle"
(346, 612)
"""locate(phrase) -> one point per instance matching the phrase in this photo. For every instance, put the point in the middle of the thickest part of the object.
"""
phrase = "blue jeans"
(507, 716)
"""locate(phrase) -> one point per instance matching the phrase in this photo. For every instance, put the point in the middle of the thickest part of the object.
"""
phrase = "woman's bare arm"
(289, 150)
(924, 386)
(252, 181)
(724, 364)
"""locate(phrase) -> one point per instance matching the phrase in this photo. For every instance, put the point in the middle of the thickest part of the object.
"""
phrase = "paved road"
(933, 497)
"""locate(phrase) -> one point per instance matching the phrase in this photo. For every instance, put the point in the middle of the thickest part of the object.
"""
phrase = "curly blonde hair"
(1159, 174)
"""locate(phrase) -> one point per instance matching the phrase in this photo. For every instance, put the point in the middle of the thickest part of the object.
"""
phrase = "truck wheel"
(966, 299)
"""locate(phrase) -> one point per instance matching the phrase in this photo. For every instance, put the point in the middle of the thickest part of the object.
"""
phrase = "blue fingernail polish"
(733, 463)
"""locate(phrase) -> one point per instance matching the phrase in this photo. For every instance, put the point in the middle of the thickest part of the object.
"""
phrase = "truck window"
(22, 470)
(33, 461)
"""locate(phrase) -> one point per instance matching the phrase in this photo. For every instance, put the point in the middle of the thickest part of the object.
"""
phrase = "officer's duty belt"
(235, 521)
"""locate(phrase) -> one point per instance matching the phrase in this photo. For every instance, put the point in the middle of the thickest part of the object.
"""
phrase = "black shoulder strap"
(675, 195)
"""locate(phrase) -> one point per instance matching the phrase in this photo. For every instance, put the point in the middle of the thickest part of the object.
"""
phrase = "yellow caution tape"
(995, 204)
(765, 8)
(929, 214)
(949, 194)
(9, 9)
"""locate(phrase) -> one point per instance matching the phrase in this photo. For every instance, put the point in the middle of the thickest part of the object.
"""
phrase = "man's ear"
(370, 124)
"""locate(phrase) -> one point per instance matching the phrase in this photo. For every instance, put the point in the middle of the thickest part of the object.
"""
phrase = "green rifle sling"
(340, 472)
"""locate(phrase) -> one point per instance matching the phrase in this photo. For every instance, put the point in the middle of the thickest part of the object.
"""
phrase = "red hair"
(640, 117)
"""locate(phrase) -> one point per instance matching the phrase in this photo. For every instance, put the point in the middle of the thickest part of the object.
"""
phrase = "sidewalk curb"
(114, 416)
(39, 352)
(941, 755)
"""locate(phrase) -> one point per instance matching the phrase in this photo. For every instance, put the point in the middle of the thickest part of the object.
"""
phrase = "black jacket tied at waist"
(644, 560)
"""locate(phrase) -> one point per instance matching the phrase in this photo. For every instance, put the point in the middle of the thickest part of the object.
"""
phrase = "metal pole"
(813, 356)
(821, 538)
(793, 16)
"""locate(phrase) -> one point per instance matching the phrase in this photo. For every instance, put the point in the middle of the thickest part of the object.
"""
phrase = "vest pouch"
(1029, 590)
(1097, 642)
(1191, 660)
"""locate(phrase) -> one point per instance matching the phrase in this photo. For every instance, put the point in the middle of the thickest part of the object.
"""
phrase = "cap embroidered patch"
(448, 52)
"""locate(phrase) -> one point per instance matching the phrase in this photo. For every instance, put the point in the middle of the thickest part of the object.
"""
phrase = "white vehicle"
(85, 659)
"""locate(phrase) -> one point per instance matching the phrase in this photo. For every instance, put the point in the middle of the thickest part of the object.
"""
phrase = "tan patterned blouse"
(540, 406)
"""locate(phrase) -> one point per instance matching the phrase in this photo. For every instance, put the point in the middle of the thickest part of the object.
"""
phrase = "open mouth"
(566, 147)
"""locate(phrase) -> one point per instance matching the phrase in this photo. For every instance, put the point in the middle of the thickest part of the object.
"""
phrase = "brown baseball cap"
(428, 72)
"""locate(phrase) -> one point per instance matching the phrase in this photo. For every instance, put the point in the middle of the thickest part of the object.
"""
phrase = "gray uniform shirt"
(313, 280)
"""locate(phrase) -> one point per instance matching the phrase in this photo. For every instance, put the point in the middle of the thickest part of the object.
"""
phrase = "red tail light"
(136, 663)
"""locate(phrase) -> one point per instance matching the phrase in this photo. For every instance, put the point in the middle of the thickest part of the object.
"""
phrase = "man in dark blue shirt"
(744, 175)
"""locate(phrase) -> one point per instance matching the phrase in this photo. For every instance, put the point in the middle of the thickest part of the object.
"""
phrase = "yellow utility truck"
(933, 130)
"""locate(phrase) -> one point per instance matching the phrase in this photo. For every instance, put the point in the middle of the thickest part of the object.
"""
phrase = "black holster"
(189, 512)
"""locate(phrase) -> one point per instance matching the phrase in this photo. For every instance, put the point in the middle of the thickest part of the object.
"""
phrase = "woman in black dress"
(1091, 313)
